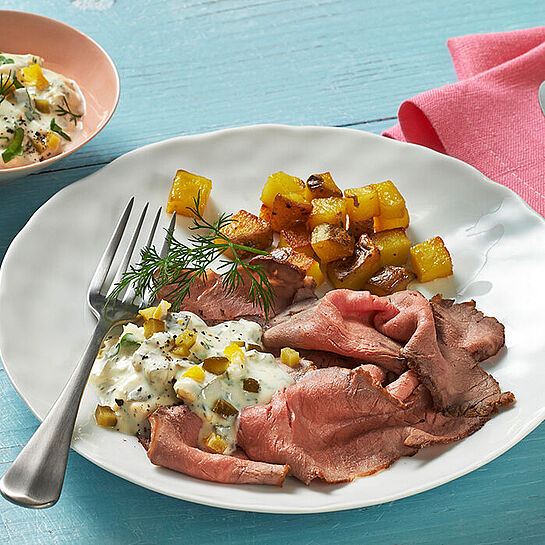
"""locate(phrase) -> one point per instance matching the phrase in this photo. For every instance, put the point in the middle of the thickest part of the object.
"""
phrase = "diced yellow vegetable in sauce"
(393, 246)
(289, 210)
(289, 357)
(52, 140)
(184, 342)
(195, 373)
(391, 201)
(152, 326)
(234, 353)
(215, 443)
(330, 242)
(362, 203)
(161, 310)
(383, 224)
(431, 260)
(321, 186)
(33, 76)
(282, 183)
(105, 417)
(330, 210)
(147, 313)
(185, 189)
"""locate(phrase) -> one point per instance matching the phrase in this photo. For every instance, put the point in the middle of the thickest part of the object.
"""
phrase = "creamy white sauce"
(33, 107)
(136, 376)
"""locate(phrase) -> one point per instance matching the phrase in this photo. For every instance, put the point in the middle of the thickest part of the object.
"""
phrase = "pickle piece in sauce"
(215, 364)
(105, 416)
(250, 385)
(224, 408)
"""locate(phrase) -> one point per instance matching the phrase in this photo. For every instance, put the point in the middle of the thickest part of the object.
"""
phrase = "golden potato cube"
(185, 189)
(282, 183)
(303, 262)
(381, 223)
(362, 203)
(298, 238)
(246, 229)
(105, 416)
(331, 242)
(431, 260)
(152, 326)
(330, 210)
(353, 272)
(289, 210)
(265, 213)
(320, 186)
(391, 201)
(358, 228)
(388, 280)
(289, 356)
(215, 443)
(393, 245)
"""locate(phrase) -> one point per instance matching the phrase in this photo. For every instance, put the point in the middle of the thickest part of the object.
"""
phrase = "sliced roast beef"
(174, 444)
(337, 424)
(342, 322)
(209, 299)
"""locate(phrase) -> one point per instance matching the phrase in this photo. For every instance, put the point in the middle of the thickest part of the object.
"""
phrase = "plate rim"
(334, 505)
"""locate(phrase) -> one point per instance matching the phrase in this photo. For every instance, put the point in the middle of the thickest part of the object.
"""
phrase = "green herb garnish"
(16, 146)
(128, 340)
(62, 111)
(55, 128)
(30, 113)
(187, 265)
(6, 60)
(6, 86)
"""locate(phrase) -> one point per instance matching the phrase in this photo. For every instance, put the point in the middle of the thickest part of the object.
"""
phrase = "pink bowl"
(73, 54)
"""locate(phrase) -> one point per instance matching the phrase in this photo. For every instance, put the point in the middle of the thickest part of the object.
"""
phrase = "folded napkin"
(491, 117)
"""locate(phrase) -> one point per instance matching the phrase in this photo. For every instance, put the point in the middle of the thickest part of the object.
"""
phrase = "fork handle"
(36, 476)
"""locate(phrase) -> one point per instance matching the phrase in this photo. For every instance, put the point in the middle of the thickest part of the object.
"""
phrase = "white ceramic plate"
(495, 239)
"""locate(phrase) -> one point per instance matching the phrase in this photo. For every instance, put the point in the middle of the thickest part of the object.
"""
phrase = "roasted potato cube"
(298, 238)
(289, 356)
(388, 280)
(282, 183)
(330, 210)
(393, 245)
(391, 202)
(247, 229)
(185, 189)
(381, 223)
(105, 416)
(303, 262)
(331, 242)
(362, 203)
(289, 210)
(320, 186)
(265, 213)
(431, 260)
(353, 272)
(358, 228)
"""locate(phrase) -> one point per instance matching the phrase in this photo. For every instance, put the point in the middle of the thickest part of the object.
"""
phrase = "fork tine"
(108, 256)
(123, 266)
(130, 293)
(164, 249)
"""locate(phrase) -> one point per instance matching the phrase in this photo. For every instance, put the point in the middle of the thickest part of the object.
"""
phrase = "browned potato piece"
(393, 245)
(389, 279)
(303, 262)
(298, 238)
(354, 271)
(320, 186)
(247, 230)
(289, 210)
(265, 213)
(358, 228)
(330, 210)
(331, 242)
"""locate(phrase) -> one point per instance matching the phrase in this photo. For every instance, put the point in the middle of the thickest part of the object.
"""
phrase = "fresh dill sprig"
(6, 86)
(62, 111)
(185, 265)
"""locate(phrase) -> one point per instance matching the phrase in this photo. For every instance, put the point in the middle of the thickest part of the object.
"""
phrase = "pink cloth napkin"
(491, 117)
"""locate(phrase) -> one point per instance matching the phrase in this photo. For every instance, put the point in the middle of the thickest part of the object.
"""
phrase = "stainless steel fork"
(36, 476)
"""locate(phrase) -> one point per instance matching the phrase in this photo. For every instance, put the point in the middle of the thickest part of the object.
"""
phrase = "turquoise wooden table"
(200, 65)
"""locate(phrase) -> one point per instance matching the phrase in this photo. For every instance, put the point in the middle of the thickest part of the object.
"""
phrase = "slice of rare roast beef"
(173, 444)
(209, 300)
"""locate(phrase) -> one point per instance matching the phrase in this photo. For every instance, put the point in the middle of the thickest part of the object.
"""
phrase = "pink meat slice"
(209, 299)
(342, 322)
(174, 444)
(337, 424)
